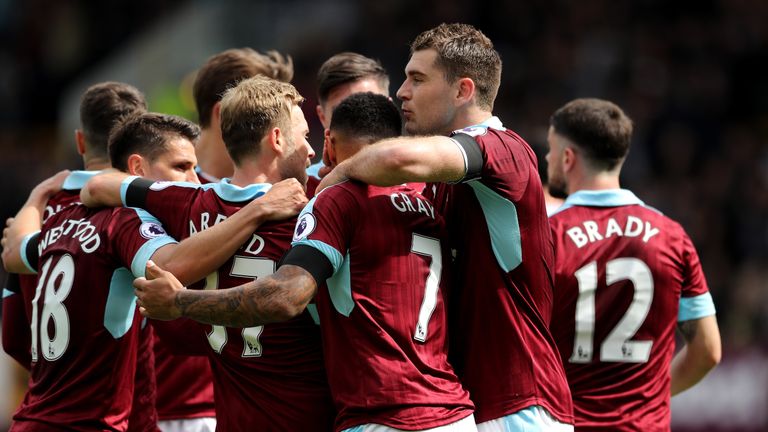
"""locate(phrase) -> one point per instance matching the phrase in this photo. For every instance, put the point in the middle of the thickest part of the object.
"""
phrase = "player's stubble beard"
(558, 187)
(294, 165)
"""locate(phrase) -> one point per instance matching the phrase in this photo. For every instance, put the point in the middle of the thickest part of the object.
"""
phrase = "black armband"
(473, 156)
(13, 284)
(136, 194)
(311, 260)
(31, 253)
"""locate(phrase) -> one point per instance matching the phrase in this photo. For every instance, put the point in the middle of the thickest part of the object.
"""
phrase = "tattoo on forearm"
(270, 299)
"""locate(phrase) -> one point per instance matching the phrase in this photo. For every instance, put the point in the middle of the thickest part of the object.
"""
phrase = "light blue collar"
(229, 192)
(492, 122)
(601, 198)
(480, 128)
(76, 180)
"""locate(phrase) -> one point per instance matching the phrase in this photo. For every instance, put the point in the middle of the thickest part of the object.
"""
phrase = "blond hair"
(251, 109)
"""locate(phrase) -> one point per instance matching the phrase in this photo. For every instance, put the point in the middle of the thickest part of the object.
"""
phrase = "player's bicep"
(702, 335)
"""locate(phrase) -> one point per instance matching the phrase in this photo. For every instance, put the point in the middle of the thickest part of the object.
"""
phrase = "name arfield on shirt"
(590, 231)
(255, 244)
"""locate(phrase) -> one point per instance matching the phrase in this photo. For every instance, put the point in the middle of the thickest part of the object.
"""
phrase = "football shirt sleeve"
(500, 160)
(16, 331)
(310, 259)
(327, 224)
(135, 236)
(170, 202)
(695, 300)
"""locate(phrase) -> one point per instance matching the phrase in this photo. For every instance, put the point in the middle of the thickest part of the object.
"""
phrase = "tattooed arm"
(278, 297)
(700, 354)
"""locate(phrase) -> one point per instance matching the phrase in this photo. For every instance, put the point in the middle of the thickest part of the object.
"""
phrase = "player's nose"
(404, 92)
(192, 177)
(310, 151)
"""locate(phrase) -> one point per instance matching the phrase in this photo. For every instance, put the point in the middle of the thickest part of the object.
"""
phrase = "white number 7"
(429, 247)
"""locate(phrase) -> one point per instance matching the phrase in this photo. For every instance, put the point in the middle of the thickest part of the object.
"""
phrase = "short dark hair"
(368, 116)
(598, 127)
(148, 135)
(102, 107)
(348, 67)
(250, 109)
(225, 69)
(464, 52)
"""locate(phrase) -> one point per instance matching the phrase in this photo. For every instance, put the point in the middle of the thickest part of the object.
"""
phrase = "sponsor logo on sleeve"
(304, 226)
(150, 230)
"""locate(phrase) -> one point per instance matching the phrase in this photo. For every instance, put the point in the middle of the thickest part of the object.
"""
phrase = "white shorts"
(201, 424)
(467, 424)
(531, 419)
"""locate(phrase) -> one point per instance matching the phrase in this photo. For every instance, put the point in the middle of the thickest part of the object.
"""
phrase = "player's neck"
(212, 156)
(600, 181)
(254, 172)
(95, 163)
(469, 116)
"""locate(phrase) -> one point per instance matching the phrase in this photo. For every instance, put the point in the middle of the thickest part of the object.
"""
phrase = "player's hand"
(285, 199)
(157, 293)
(326, 168)
(50, 186)
(334, 177)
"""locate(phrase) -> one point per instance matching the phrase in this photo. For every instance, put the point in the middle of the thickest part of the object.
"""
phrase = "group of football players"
(201, 277)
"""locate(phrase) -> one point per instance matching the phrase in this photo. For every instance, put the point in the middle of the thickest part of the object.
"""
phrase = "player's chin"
(411, 128)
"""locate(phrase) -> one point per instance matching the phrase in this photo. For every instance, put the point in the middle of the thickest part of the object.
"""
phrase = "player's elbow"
(707, 355)
(12, 262)
(91, 192)
(186, 272)
(285, 310)
(286, 299)
(712, 356)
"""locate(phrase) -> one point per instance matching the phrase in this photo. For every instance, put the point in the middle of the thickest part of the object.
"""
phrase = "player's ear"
(216, 116)
(136, 165)
(569, 158)
(80, 141)
(275, 140)
(465, 91)
(329, 149)
(321, 116)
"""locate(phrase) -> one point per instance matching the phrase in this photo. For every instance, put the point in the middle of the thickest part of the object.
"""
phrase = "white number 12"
(616, 347)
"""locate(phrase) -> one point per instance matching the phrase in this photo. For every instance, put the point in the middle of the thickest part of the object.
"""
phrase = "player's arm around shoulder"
(103, 190)
(403, 160)
(278, 297)
(26, 222)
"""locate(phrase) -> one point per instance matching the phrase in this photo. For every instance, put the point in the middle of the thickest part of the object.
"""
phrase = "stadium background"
(692, 75)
